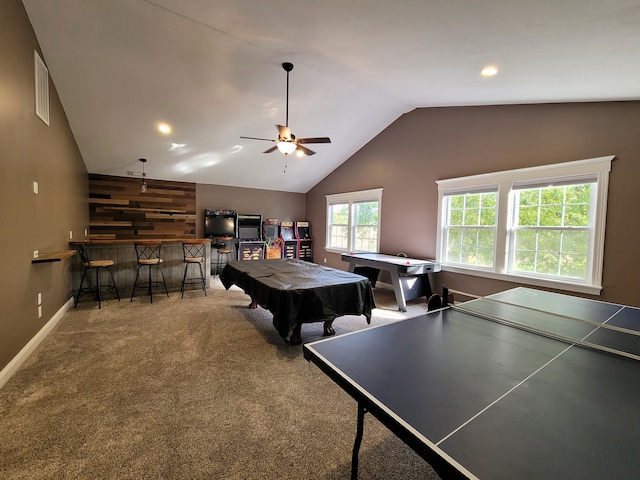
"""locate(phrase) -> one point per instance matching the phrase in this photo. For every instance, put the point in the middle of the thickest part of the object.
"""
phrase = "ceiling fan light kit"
(286, 147)
(287, 143)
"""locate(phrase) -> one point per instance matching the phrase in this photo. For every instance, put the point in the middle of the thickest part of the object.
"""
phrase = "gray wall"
(430, 144)
(32, 151)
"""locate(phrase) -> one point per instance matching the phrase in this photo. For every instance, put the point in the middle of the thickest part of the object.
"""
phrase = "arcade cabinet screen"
(249, 231)
(287, 233)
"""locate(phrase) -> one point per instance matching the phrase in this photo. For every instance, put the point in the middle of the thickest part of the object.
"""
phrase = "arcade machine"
(289, 241)
(271, 235)
(303, 233)
(250, 245)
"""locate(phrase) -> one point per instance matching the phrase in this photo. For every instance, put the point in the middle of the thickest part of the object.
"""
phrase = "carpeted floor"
(193, 388)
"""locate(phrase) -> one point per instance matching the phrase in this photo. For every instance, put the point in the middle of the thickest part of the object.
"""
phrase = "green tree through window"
(471, 229)
(551, 230)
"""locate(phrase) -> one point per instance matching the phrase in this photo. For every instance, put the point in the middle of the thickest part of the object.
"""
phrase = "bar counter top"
(134, 240)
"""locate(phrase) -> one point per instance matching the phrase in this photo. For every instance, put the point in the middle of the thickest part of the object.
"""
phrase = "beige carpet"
(193, 388)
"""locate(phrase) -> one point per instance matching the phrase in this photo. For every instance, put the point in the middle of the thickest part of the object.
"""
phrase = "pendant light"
(143, 182)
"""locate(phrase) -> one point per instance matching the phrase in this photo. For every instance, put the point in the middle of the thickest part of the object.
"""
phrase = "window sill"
(521, 279)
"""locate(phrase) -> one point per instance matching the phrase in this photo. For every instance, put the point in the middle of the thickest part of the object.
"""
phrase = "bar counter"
(123, 254)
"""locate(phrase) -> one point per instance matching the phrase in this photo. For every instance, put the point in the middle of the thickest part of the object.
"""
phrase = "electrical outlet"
(39, 311)
(39, 298)
(35, 187)
(70, 234)
(325, 260)
(35, 254)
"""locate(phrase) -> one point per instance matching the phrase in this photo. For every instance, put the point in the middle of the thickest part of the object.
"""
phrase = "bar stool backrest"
(193, 250)
(148, 252)
(84, 255)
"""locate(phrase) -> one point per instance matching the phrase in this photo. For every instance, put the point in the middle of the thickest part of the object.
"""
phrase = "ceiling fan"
(287, 142)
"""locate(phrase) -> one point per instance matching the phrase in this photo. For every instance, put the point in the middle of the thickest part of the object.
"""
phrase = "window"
(551, 230)
(353, 221)
(471, 228)
(541, 226)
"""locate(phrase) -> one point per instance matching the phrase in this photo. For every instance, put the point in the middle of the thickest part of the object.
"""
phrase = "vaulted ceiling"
(211, 71)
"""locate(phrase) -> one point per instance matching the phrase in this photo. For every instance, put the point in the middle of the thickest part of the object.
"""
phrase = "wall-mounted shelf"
(54, 256)
(152, 210)
(108, 201)
(110, 224)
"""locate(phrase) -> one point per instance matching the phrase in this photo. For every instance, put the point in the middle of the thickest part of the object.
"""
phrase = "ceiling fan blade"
(284, 132)
(314, 140)
(270, 150)
(256, 138)
(306, 151)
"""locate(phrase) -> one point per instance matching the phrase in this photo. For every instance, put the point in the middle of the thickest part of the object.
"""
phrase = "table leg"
(328, 328)
(397, 289)
(356, 444)
(296, 335)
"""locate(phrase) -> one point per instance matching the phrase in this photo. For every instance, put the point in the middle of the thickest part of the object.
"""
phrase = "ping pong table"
(521, 384)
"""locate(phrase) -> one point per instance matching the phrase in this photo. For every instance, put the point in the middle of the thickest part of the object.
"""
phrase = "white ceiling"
(211, 69)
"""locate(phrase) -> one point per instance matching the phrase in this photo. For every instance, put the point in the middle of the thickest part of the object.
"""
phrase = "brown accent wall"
(32, 151)
(268, 203)
(119, 211)
(430, 144)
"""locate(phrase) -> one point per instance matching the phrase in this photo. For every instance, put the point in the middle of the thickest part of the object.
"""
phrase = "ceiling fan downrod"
(287, 68)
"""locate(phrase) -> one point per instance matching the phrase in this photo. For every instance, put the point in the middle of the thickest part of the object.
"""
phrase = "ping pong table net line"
(574, 341)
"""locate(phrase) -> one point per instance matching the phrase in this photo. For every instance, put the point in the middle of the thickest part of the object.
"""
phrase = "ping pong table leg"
(356, 444)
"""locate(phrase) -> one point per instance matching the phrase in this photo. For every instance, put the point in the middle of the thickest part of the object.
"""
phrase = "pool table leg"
(296, 337)
(328, 328)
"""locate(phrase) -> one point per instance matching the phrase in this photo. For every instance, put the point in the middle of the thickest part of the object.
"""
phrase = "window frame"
(509, 180)
(351, 198)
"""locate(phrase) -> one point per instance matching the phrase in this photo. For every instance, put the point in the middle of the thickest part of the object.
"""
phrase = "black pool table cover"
(297, 292)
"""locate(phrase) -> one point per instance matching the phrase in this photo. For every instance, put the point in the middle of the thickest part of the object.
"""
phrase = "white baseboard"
(11, 368)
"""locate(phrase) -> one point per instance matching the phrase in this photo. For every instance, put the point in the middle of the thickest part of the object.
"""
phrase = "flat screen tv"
(219, 226)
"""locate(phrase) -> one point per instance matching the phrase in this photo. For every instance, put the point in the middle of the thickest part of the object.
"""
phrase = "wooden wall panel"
(118, 211)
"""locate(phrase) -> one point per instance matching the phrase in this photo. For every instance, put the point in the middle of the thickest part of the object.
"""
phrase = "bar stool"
(97, 265)
(148, 254)
(193, 254)
(224, 250)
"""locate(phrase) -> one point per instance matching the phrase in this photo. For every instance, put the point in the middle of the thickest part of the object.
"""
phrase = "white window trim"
(600, 166)
(372, 195)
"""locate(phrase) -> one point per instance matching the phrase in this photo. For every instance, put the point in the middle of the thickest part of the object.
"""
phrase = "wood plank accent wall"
(118, 211)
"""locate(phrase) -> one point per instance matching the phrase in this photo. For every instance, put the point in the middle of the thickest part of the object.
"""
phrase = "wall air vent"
(42, 88)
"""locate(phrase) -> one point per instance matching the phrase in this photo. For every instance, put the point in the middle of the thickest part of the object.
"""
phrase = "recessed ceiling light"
(164, 128)
(489, 71)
